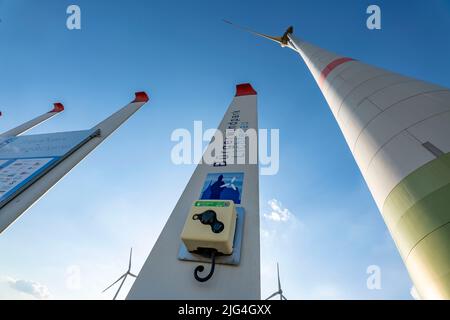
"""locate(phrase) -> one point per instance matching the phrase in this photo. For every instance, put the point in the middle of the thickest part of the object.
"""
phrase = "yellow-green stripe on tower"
(398, 130)
(417, 212)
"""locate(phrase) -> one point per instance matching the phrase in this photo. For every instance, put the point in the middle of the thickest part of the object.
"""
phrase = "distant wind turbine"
(123, 277)
(280, 291)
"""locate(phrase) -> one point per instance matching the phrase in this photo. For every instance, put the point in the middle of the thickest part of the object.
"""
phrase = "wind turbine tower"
(398, 130)
(280, 291)
(122, 277)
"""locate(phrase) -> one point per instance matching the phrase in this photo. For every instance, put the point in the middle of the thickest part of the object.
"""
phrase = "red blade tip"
(245, 89)
(58, 107)
(141, 97)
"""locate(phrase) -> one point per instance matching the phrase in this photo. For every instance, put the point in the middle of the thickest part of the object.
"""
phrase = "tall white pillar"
(163, 275)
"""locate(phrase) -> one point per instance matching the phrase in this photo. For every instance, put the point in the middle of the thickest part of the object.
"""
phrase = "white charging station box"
(197, 236)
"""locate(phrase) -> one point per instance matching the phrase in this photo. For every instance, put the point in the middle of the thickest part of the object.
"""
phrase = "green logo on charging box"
(212, 204)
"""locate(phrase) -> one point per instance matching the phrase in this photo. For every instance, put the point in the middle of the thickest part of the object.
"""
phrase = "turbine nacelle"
(284, 40)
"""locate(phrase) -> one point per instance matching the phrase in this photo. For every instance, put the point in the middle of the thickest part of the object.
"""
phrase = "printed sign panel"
(223, 186)
(25, 159)
(15, 173)
(42, 145)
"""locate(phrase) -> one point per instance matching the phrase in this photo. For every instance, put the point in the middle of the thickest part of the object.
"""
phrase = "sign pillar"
(164, 275)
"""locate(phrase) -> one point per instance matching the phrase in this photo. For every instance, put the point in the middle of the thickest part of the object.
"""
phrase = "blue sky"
(189, 62)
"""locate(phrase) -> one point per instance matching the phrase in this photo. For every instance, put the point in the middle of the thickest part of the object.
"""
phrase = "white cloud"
(278, 213)
(22, 289)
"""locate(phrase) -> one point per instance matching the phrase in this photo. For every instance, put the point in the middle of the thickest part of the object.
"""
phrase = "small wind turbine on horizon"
(280, 291)
(123, 277)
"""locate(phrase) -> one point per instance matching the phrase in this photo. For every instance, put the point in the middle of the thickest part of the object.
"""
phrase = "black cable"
(202, 268)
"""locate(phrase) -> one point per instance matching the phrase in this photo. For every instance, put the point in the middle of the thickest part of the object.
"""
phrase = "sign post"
(31, 165)
(168, 272)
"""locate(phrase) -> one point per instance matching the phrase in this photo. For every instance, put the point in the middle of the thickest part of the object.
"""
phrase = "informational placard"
(223, 186)
(25, 159)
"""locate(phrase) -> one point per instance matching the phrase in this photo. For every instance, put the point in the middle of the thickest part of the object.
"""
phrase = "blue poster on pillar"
(223, 186)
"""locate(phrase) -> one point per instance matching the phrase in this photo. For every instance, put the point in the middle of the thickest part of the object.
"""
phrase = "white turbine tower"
(280, 291)
(397, 129)
(123, 277)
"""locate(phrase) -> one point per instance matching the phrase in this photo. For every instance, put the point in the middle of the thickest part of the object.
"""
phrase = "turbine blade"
(132, 275)
(114, 283)
(284, 298)
(279, 282)
(273, 295)
(275, 39)
(129, 264)
(120, 287)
